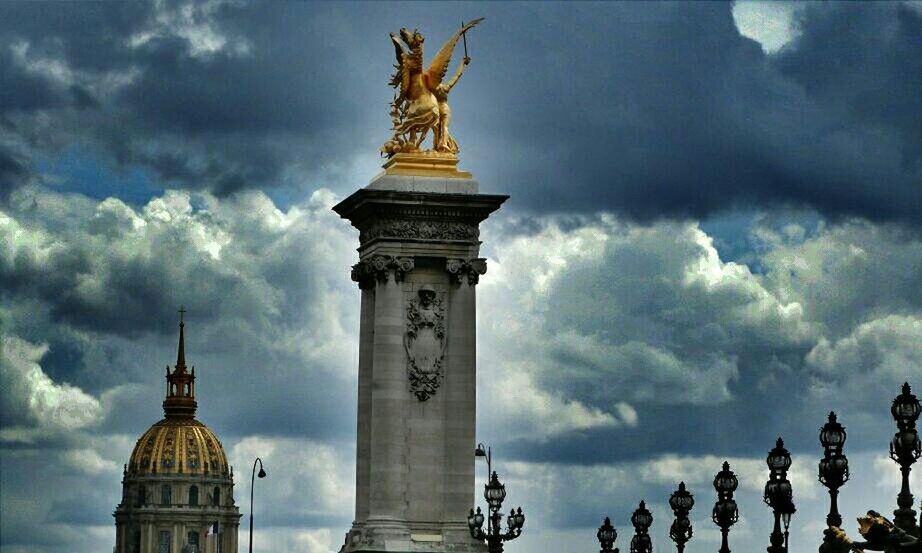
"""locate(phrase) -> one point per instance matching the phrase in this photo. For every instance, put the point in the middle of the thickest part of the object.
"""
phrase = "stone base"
(425, 164)
(418, 183)
(395, 540)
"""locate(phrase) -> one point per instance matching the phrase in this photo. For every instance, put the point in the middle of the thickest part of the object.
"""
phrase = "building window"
(193, 542)
(166, 495)
(136, 541)
(164, 544)
(141, 499)
(193, 495)
(216, 498)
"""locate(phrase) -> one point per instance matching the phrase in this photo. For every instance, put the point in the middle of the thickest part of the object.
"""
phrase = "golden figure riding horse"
(421, 101)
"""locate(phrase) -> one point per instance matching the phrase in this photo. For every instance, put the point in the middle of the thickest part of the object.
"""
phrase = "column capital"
(470, 268)
(377, 268)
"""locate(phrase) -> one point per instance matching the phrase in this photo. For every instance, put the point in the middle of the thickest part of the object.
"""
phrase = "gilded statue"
(880, 535)
(421, 100)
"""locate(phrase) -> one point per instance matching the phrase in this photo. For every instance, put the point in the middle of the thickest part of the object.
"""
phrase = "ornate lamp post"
(262, 474)
(642, 519)
(607, 536)
(495, 492)
(833, 471)
(681, 530)
(779, 495)
(905, 449)
(725, 513)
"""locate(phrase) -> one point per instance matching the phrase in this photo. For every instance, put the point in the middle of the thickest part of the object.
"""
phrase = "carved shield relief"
(425, 342)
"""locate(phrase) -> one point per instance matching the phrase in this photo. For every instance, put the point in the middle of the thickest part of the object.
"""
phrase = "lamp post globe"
(607, 536)
(779, 495)
(725, 513)
(494, 492)
(905, 449)
(642, 519)
(833, 468)
(681, 502)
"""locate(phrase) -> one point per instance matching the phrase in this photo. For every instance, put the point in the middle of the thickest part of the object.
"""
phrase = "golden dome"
(178, 446)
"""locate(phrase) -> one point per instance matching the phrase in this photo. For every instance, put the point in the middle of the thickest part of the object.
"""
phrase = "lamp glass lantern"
(607, 533)
(681, 500)
(726, 482)
(832, 434)
(494, 492)
(906, 407)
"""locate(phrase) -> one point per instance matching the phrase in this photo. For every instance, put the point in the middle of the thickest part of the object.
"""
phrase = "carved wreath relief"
(425, 343)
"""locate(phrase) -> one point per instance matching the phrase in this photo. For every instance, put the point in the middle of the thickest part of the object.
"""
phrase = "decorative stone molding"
(472, 268)
(377, 268)
(425, 343)
(419, 230)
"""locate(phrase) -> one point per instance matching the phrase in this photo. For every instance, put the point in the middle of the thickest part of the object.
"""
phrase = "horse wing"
(439, 66)
(401, 77)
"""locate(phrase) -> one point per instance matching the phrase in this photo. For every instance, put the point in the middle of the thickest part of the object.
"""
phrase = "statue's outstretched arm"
(458, 73)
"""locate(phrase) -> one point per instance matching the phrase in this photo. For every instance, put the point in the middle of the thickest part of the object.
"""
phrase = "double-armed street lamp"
(262, 474)
(725, 513)
(681, 502)
(905, 449)
(779, 495)
(494, 492)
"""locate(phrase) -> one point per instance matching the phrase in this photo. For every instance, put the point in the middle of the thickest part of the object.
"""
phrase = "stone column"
(418, 269)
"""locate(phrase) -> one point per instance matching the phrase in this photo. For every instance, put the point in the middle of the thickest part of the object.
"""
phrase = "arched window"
(166, 495)
(216, 498)
(193, 495)
(193, 541)
(164, 545)
(141, 498)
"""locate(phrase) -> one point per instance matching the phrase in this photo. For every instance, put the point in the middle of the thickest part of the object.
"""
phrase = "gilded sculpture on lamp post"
(420, 103)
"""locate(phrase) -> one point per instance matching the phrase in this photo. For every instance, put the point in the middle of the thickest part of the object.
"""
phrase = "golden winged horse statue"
(421, 101)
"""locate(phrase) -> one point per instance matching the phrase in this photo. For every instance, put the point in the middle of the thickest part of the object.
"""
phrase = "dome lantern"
(180, 383)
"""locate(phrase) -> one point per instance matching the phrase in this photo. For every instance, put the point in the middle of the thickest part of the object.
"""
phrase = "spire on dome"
(180, 384)
(181, 353)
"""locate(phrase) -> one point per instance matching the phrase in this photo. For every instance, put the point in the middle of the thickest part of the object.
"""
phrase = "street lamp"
(725, 513)
(833, 471)
(495, 492)
(779, 495)
(607, 536)
(681, 530)
(262, 474)
(642, 519)
(905, 449)
(486, 453)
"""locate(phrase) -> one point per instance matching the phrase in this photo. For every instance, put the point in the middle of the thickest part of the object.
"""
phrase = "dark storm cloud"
(651, 110)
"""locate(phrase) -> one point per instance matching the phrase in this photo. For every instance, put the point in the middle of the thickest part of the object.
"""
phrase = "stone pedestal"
(418, 269)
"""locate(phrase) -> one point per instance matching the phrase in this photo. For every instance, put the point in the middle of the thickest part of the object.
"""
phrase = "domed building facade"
(177, 488)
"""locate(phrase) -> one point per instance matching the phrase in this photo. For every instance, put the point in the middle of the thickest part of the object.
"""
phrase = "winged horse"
(421, 101)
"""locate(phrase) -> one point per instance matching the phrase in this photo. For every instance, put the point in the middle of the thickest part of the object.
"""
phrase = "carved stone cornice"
(471, 268)
(377, 268)
(419, 229)
(406, 216)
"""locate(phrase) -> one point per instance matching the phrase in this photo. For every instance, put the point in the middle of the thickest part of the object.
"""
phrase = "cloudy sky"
(713, 238)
